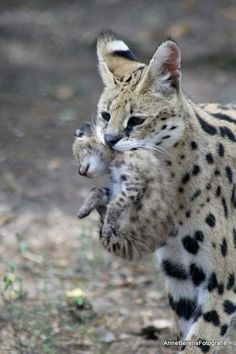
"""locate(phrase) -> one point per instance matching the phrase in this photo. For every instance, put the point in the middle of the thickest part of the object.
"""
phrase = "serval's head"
(141, 104)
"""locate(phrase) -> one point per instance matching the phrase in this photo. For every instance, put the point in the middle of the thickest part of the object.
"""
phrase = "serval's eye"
(106, 116)
(133, 121)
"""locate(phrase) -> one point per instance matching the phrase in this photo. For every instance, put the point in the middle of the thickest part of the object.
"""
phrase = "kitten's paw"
(109, 231)
(83, 212)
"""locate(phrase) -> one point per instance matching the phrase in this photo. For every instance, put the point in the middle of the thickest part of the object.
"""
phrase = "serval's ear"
(163, 72)
(116, 62)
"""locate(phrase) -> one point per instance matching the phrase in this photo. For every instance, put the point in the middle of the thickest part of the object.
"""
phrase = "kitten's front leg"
(98, 199)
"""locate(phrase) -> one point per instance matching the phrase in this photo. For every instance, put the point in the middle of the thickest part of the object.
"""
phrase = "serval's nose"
(111, 139)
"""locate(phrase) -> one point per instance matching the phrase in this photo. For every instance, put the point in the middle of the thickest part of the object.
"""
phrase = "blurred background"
(48, 85)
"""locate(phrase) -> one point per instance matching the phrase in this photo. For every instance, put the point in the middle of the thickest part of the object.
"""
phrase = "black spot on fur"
(174, 270)
(205, 348)
(209, 158)
(196, 194)
(222, 116)
(217, 172)
(186, 178)
(231, 281)
(210, 220)
(220, 288)
(224, 247)
(234, 237)
(194, 145)
(196, 170)
(123, 178)
(212, 317)
(190, 244)
(229, 173)
(229, 307)
(208, 128)
(224, 207)
(199, 236)
(221, 150)
(212, 282)
(226, 132)
(184, 308)
(197, 274)
(223, 330)
(188, 213)
(233, 196)
(218, 191)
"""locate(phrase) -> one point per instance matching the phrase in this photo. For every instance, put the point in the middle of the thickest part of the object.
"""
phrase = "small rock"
(162, 323)
(108, 337)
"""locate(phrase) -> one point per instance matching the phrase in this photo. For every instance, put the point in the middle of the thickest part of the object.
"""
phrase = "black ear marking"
(78, 133)
(110, 36)
(84, 130)
(126, 54)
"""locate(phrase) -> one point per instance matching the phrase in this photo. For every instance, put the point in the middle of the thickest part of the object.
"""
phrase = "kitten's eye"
(106, 116)
(133, 121)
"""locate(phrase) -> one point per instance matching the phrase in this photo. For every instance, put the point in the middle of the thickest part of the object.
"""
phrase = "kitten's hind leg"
(132, 190)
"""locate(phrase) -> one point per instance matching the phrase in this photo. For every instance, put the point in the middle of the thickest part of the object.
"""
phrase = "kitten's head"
(140, 104)
(92, 156)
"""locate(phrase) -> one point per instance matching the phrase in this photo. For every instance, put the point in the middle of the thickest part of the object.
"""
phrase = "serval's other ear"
(116, 62)
(163, 72)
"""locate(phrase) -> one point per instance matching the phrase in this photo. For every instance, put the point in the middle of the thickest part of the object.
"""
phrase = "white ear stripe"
(116, 45)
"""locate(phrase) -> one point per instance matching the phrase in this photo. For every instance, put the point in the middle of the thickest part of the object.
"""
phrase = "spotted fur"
(131, 227)
(196, 144)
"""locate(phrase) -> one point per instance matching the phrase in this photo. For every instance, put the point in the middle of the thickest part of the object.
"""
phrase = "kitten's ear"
(84, 130)
(163, 72)
(115, 60)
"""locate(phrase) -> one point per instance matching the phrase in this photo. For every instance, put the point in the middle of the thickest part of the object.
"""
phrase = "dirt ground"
(48, 85)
